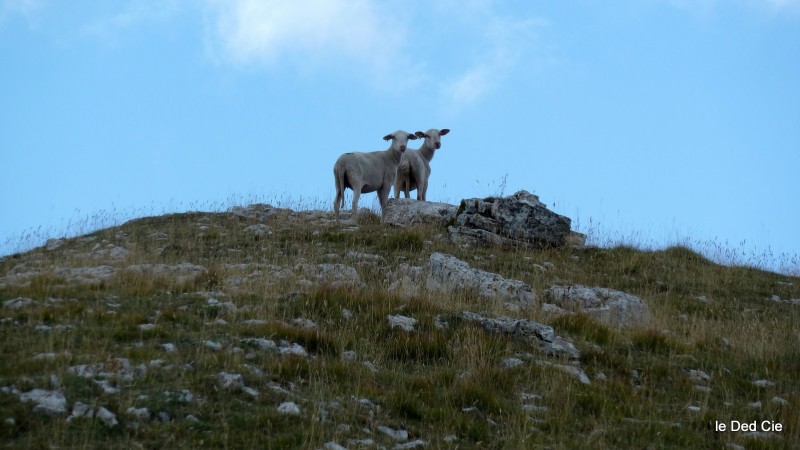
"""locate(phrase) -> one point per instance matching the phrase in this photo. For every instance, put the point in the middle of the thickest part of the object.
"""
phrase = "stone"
(542, 336)
(510, 363)
(333, 275)
(258, 230)
(53, 244)
(403, 322)
(107, 417)
(611, 307)
(447, 274)
(398, 435)
(519, 220)
(763, 383)
(407, 212)
(139, 413)
(289, 408)
(48, 402)
(576, 372)
(79, 410)
(18, 303)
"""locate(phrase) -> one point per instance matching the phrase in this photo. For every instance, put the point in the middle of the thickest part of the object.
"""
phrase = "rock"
(139, 413)
(408, 445)
(230, 380)
(779, 401)
(398, 435)
(107, 417)
(293, 349)
(213, 345)
(18, 303)
(447, 274)
(334, 275)
(53, 244)
(304, 323)
(85, 275)
(406, 323)
(263, 344)
(614, 308)
(49, 402)
(699, 376)
(290, 408)
(169, 347)
(754, 405)
(693, 408)
(510, 363)
(406, 212)
(259, 211)
(181, 273)
(331, 445)
(542, 336)
(367, 257)
(576, 372)
(763, 383)
(519, 220)
(258, 230)
(80, 410)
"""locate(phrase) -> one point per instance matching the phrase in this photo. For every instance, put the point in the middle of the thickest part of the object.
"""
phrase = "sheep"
(415, 168)
(369, 172)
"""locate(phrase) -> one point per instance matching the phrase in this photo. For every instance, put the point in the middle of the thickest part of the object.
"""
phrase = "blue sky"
(651, 120)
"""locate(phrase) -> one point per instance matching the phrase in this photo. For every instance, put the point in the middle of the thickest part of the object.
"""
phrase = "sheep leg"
(356, 194)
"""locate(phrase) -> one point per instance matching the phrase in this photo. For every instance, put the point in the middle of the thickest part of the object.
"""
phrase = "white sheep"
(415, 168)
(369, 172)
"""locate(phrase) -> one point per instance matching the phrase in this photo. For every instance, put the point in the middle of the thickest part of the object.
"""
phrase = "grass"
(443, 385)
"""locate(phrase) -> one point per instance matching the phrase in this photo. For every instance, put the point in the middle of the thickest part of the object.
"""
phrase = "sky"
(645, 121)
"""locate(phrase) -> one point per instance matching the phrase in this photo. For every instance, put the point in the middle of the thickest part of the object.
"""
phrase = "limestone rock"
(49, 402)
(614, 308)
(405, 212)
(519, 220)
(448, 274)
(541, 335)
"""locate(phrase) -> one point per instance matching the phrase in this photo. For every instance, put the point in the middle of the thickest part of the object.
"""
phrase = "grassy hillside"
(191, 344)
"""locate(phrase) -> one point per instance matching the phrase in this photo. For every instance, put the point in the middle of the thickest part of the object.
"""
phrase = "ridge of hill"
(287, 330)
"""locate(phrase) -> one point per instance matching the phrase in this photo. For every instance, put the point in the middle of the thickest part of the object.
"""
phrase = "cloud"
(507, 42)
(26, 8)
(135, 13)
(268, 32)
(706, 7)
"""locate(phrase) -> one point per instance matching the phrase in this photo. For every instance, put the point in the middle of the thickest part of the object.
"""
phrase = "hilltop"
(267, 327)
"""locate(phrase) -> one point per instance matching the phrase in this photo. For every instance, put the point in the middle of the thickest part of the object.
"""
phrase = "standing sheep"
(369, 172)
(415, 167)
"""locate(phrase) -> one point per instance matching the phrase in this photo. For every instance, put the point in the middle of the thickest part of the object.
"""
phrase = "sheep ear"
(444, 131)
(388, 137)
(412, 137)
(420, 134)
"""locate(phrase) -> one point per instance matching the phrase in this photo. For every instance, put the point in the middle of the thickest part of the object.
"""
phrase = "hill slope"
(216, 330)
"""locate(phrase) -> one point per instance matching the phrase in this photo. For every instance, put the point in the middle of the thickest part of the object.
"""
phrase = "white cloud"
(706, 7)
(270, 31)
(26, 8)
(509, 41)
(135, 12)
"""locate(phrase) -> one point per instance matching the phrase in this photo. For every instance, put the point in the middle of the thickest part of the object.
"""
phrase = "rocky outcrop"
(519, 220)
(614, 308)
(405, 212)
(542, 336)
(448, 274)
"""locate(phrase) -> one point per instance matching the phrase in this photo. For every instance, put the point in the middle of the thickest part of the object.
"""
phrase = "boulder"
(405, 212)
(448, 274)
(614, 308)
(519, 220)
(542, 336)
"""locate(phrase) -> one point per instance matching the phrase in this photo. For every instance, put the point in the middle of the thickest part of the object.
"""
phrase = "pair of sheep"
(379, 171)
